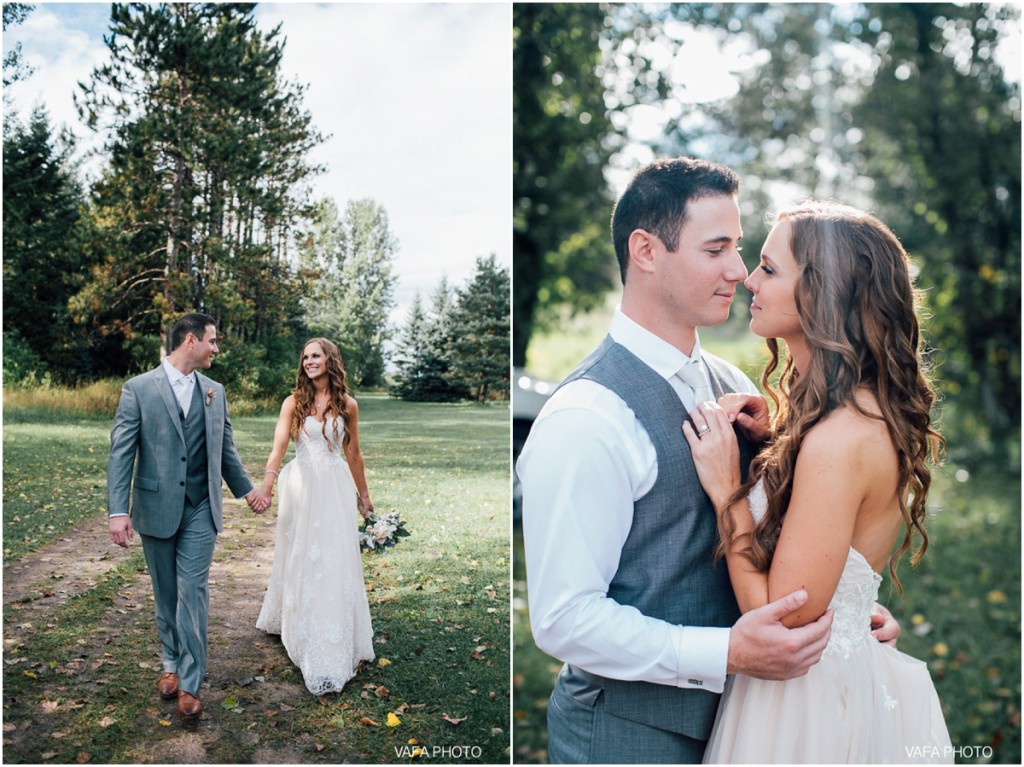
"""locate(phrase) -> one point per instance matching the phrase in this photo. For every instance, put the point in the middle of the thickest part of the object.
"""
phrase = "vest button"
(183, 459)
(182, 484)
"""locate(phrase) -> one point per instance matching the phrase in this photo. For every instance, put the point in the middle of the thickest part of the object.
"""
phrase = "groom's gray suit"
(174, 500)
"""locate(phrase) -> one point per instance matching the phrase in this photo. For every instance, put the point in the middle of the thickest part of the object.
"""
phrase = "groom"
(619, 535)
(173, 433)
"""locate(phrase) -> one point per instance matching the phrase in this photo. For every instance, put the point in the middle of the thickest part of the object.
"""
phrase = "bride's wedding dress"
(316, 599)
(865, 702)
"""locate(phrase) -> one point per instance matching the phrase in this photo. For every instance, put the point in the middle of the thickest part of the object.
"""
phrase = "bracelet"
(275, 472)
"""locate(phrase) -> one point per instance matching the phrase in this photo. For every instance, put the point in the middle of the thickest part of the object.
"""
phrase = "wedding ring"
(703, 430)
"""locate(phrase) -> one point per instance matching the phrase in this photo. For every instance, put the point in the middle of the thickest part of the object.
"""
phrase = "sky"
(415, 98)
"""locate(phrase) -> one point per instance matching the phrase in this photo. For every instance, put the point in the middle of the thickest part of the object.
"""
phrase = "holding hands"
(259, 500)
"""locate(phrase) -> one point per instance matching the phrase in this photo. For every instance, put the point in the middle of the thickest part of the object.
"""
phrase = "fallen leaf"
(454, 720)
(383, 662)
(83, 757)
(164, 722)
(382, 692)
(106, 721)
(393, 721)
(48, 754)
(284, 707)
(320, 746)
(272, 712)
(368, 722)
(230, 702)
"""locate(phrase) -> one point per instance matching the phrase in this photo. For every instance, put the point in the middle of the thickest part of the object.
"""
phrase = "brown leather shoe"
(168, 686)
(189, 706)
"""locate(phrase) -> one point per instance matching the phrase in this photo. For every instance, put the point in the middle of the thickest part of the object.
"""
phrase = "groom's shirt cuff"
(703, 657)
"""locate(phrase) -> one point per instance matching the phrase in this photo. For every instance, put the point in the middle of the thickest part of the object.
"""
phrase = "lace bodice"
(311, 449)
(855, 595)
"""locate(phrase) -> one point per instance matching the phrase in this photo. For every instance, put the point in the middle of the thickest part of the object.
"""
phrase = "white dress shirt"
(587, 461)
(181, 384)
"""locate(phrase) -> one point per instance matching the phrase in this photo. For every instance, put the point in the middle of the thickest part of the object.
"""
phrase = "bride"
(316, 599)
(842, 479)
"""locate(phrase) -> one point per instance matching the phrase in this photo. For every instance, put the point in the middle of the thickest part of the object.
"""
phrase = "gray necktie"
(693, 375)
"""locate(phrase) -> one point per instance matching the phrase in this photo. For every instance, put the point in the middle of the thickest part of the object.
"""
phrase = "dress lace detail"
(855, 595)
(863, 702)
(311, 449)
(316, 598)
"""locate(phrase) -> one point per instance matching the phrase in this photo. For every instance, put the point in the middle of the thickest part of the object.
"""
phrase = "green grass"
(439, 600)
(962, 606)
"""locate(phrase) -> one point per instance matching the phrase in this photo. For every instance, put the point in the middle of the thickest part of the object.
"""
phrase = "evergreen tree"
(43, 260)
(410, 353)
(427, 376)
(354, 293)
(207, 176)
(480, 333)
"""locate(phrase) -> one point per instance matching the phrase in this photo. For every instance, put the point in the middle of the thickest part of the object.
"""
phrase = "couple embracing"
(680, 541)
(172, 447)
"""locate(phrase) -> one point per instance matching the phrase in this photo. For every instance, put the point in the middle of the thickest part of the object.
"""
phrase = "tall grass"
(100, 398)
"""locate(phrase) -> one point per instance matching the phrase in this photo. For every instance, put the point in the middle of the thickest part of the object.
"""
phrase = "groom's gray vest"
(666, 569)
(197, 484)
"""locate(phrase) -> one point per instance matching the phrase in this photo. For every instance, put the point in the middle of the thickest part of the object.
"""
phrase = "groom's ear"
(642, 247)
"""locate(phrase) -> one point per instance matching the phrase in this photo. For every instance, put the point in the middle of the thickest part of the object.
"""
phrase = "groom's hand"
(761, 646)
(257, 501)
(884, 627)
(120, 530)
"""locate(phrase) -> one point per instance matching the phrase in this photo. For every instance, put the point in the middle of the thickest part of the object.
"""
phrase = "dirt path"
(245, 665)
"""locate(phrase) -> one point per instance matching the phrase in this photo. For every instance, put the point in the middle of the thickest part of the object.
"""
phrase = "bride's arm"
(818, 528)
(282, 433)
(354, 456)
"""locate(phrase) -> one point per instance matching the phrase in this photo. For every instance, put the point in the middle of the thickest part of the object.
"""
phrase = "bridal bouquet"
(377, 533)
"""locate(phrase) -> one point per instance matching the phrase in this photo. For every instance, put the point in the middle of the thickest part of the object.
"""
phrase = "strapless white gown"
(864, 702)
(316, 598)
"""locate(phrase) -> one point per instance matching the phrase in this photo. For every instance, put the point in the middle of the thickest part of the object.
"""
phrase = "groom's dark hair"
(194, 323)
(656, 200)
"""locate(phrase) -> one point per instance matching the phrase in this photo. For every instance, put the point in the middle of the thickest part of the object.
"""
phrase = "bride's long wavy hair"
(856, 304)
(337, 389)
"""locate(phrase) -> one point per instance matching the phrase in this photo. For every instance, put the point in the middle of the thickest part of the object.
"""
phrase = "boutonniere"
(210, 394)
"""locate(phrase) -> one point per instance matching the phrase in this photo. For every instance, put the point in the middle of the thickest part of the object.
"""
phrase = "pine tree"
(207, 177)
(408, 378)
(480, 337)
(426, 351)
(42, 261)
